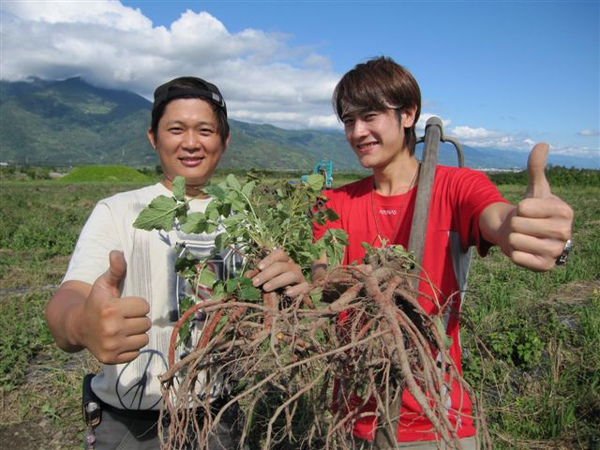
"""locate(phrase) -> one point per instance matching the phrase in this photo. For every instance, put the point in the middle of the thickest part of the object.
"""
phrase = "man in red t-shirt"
(379, 103)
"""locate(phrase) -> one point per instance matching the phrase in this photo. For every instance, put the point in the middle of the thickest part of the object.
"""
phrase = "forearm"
(64, 316)
(494, 224)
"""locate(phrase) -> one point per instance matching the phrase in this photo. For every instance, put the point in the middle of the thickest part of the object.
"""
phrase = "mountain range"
(71, 123)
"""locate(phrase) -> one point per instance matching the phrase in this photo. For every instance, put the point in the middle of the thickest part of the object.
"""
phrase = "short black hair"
(190, 87)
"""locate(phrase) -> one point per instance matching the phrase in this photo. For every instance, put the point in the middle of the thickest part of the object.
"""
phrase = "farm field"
(531, 340)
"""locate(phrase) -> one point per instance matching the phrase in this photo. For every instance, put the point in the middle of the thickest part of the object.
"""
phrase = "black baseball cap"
(189, 87)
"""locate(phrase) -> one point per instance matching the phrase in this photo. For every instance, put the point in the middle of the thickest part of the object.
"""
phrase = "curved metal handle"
(433, 120)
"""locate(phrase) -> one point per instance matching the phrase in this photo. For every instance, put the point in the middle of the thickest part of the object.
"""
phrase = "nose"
(191, 141)
(357, 130)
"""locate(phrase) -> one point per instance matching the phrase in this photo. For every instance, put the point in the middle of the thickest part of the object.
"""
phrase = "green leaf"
(218, 291)
(185, 264)
(220, 241)
(248, 188)
(211, 227)
(160, 214)
(238, 205)
(179, 188)
(226, 210)
(196, 223)
(215, 191)
(315, 181)
(213, 215)
(231, 285)
(233, 182)
(250, 293)
(207, 277)
(331, 215)
(337, 236)
(247, 291)
(185, 304)
(185, 332)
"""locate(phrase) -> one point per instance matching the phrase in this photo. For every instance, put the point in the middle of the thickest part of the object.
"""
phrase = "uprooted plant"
(300, 369)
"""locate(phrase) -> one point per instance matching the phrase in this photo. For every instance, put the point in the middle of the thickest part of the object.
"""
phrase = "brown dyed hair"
(377, 85)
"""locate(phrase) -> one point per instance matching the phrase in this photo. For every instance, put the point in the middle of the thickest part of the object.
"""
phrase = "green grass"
(531, 340)
(105, 173)
(40, 384)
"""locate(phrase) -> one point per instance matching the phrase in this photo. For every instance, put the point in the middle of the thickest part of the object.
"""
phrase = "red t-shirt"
(459, 195)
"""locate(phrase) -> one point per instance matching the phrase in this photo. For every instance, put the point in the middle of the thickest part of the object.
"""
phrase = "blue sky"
(500, 74)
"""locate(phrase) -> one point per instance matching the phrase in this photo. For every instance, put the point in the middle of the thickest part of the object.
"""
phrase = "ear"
(226, 143)
(150, 136)
(408, 116)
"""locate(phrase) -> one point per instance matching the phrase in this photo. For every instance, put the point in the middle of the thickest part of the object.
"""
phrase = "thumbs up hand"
(542, 222)
(538, 186)
(115, 327)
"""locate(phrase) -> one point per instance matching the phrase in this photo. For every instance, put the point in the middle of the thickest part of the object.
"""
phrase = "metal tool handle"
(434, 134)
(418, 230)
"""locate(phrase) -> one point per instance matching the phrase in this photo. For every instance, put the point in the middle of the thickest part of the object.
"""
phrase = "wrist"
(74, 326)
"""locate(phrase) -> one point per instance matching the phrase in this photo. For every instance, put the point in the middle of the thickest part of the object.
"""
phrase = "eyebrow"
(353, 112)
(358, 112)
(182, 122)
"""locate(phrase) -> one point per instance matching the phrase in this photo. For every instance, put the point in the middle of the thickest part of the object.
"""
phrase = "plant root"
(303, 371)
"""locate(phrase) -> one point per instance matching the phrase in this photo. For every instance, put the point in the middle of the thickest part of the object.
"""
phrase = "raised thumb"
(111, 279)
(538, 185)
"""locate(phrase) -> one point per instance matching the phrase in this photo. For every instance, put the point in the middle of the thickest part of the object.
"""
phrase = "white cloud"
(482, 137)
(589, 133)
(477, 137)
(262, 78)
(569, 150)
(111, 14)
(422, 123)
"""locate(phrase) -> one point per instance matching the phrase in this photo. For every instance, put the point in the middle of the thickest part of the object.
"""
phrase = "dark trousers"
(119, 431)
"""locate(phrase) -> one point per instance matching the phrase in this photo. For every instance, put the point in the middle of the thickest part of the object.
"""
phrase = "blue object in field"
(323, 167)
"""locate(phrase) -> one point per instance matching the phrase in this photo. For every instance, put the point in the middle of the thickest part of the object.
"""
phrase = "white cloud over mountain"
(263, 78)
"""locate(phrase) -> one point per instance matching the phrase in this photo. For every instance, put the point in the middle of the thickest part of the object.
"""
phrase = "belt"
(154, 414)
(138, 414)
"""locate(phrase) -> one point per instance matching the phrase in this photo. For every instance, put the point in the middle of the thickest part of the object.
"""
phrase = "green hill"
(69, 123)
(106, 173)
